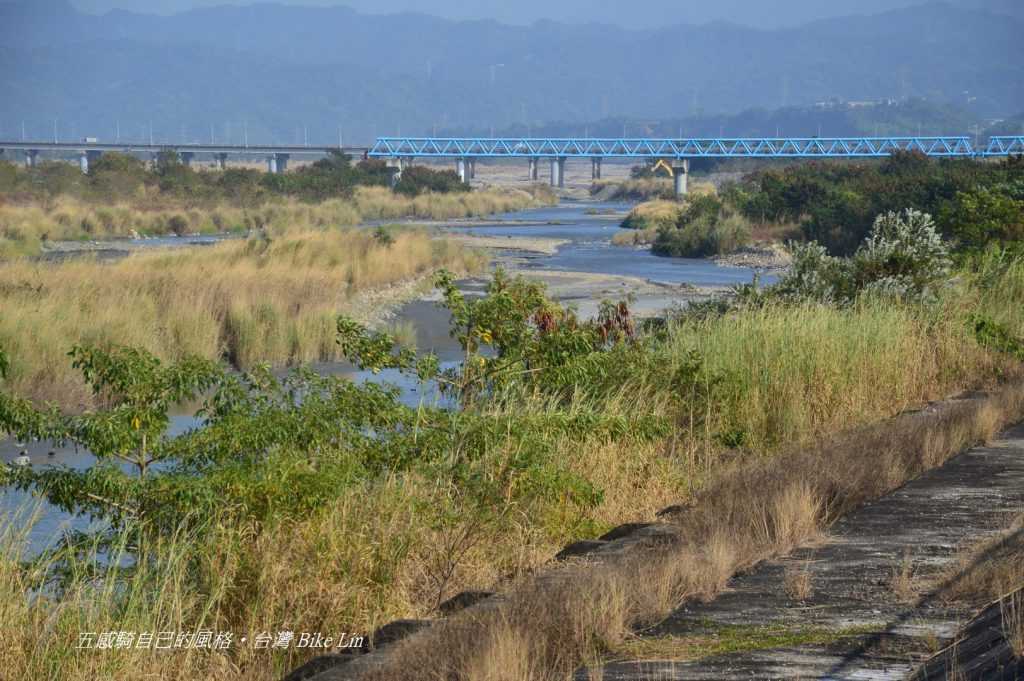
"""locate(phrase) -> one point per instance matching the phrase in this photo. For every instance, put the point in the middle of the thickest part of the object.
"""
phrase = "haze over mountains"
(634, 14)
(287, 73)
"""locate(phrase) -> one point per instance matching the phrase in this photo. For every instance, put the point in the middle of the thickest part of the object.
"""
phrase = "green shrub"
(991, 334)
(904, 257)
(419, 179)
(705, 227)
(985, 215)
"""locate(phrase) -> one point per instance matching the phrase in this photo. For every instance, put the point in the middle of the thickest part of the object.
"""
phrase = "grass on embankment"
(269, 300)
(25, 228)
(581, 614)
(780, 380)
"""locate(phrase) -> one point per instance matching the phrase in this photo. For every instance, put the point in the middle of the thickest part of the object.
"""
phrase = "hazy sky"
(633, 13)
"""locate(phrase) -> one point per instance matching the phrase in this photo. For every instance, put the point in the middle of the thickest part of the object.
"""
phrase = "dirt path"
(856, 606)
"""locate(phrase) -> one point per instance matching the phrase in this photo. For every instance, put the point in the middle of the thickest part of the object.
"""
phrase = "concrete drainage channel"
(870, 634)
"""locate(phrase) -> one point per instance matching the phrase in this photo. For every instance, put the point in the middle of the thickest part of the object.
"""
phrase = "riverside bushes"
(120, 177)
(705, 226)
(903, 257)
(973, 202)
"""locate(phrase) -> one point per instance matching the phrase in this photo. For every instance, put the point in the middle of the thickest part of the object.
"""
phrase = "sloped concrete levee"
(868, 595)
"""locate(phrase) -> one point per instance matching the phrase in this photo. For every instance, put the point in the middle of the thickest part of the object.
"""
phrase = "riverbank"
(272, 299)
(57, 225)
(330, 505)
(738, 388)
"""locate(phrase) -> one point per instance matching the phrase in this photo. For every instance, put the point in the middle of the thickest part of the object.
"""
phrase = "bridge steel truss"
(717, 147)
(1004, 146)
(677, 152)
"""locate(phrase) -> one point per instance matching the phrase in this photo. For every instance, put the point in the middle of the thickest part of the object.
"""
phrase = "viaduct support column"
(186, 158)
(595, 168)
(83, 162)
(462, 168)
(282, 162)
(680, 174)
(533, 169)
(221, 160)
(554, 172)
(472, 168)
(31, 156)
(272, 164)
(558, 172)
(396, 164)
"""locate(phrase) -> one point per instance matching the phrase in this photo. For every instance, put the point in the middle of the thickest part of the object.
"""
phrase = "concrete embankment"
(870, 594)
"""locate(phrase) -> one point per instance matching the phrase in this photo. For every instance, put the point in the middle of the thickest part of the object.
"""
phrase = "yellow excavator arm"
(662, 163)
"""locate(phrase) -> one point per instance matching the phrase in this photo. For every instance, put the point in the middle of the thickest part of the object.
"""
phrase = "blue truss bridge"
(675, 152)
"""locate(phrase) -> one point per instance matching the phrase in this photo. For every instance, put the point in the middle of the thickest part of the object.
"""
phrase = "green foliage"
(991, 334)
(383, 236)
(706, 226)
(975, 202)
(904, 257)
(513, 339)
(271, 449)
(986, 215)
(116, 176)
(419, 179)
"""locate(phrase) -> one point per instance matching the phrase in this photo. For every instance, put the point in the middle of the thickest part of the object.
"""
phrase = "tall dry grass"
(800, 373)
(271, 300)
(26, 228)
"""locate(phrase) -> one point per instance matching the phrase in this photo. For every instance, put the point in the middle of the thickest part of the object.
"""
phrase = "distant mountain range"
(285, 73)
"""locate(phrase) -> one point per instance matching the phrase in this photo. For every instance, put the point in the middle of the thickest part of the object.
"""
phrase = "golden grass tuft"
(653, 215)
(797, 582)
(1011, 608)
(902, 582)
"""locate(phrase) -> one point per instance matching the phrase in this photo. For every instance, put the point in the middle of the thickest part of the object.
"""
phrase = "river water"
(588, 229)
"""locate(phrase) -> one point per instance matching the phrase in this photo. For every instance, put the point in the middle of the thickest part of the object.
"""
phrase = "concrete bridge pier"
(282, 162)
(186, 158)
(397, 164)
(31, 157)
(595, 168)
(272, 164)
(680, 175)
(472, 168)
(533, 170)
(558, 171)
(221, 160)
(86, 158)
(462, 168)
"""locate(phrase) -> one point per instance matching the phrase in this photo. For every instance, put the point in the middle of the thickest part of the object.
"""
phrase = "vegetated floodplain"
(342, 509)
(122, 196)
(271, 298)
